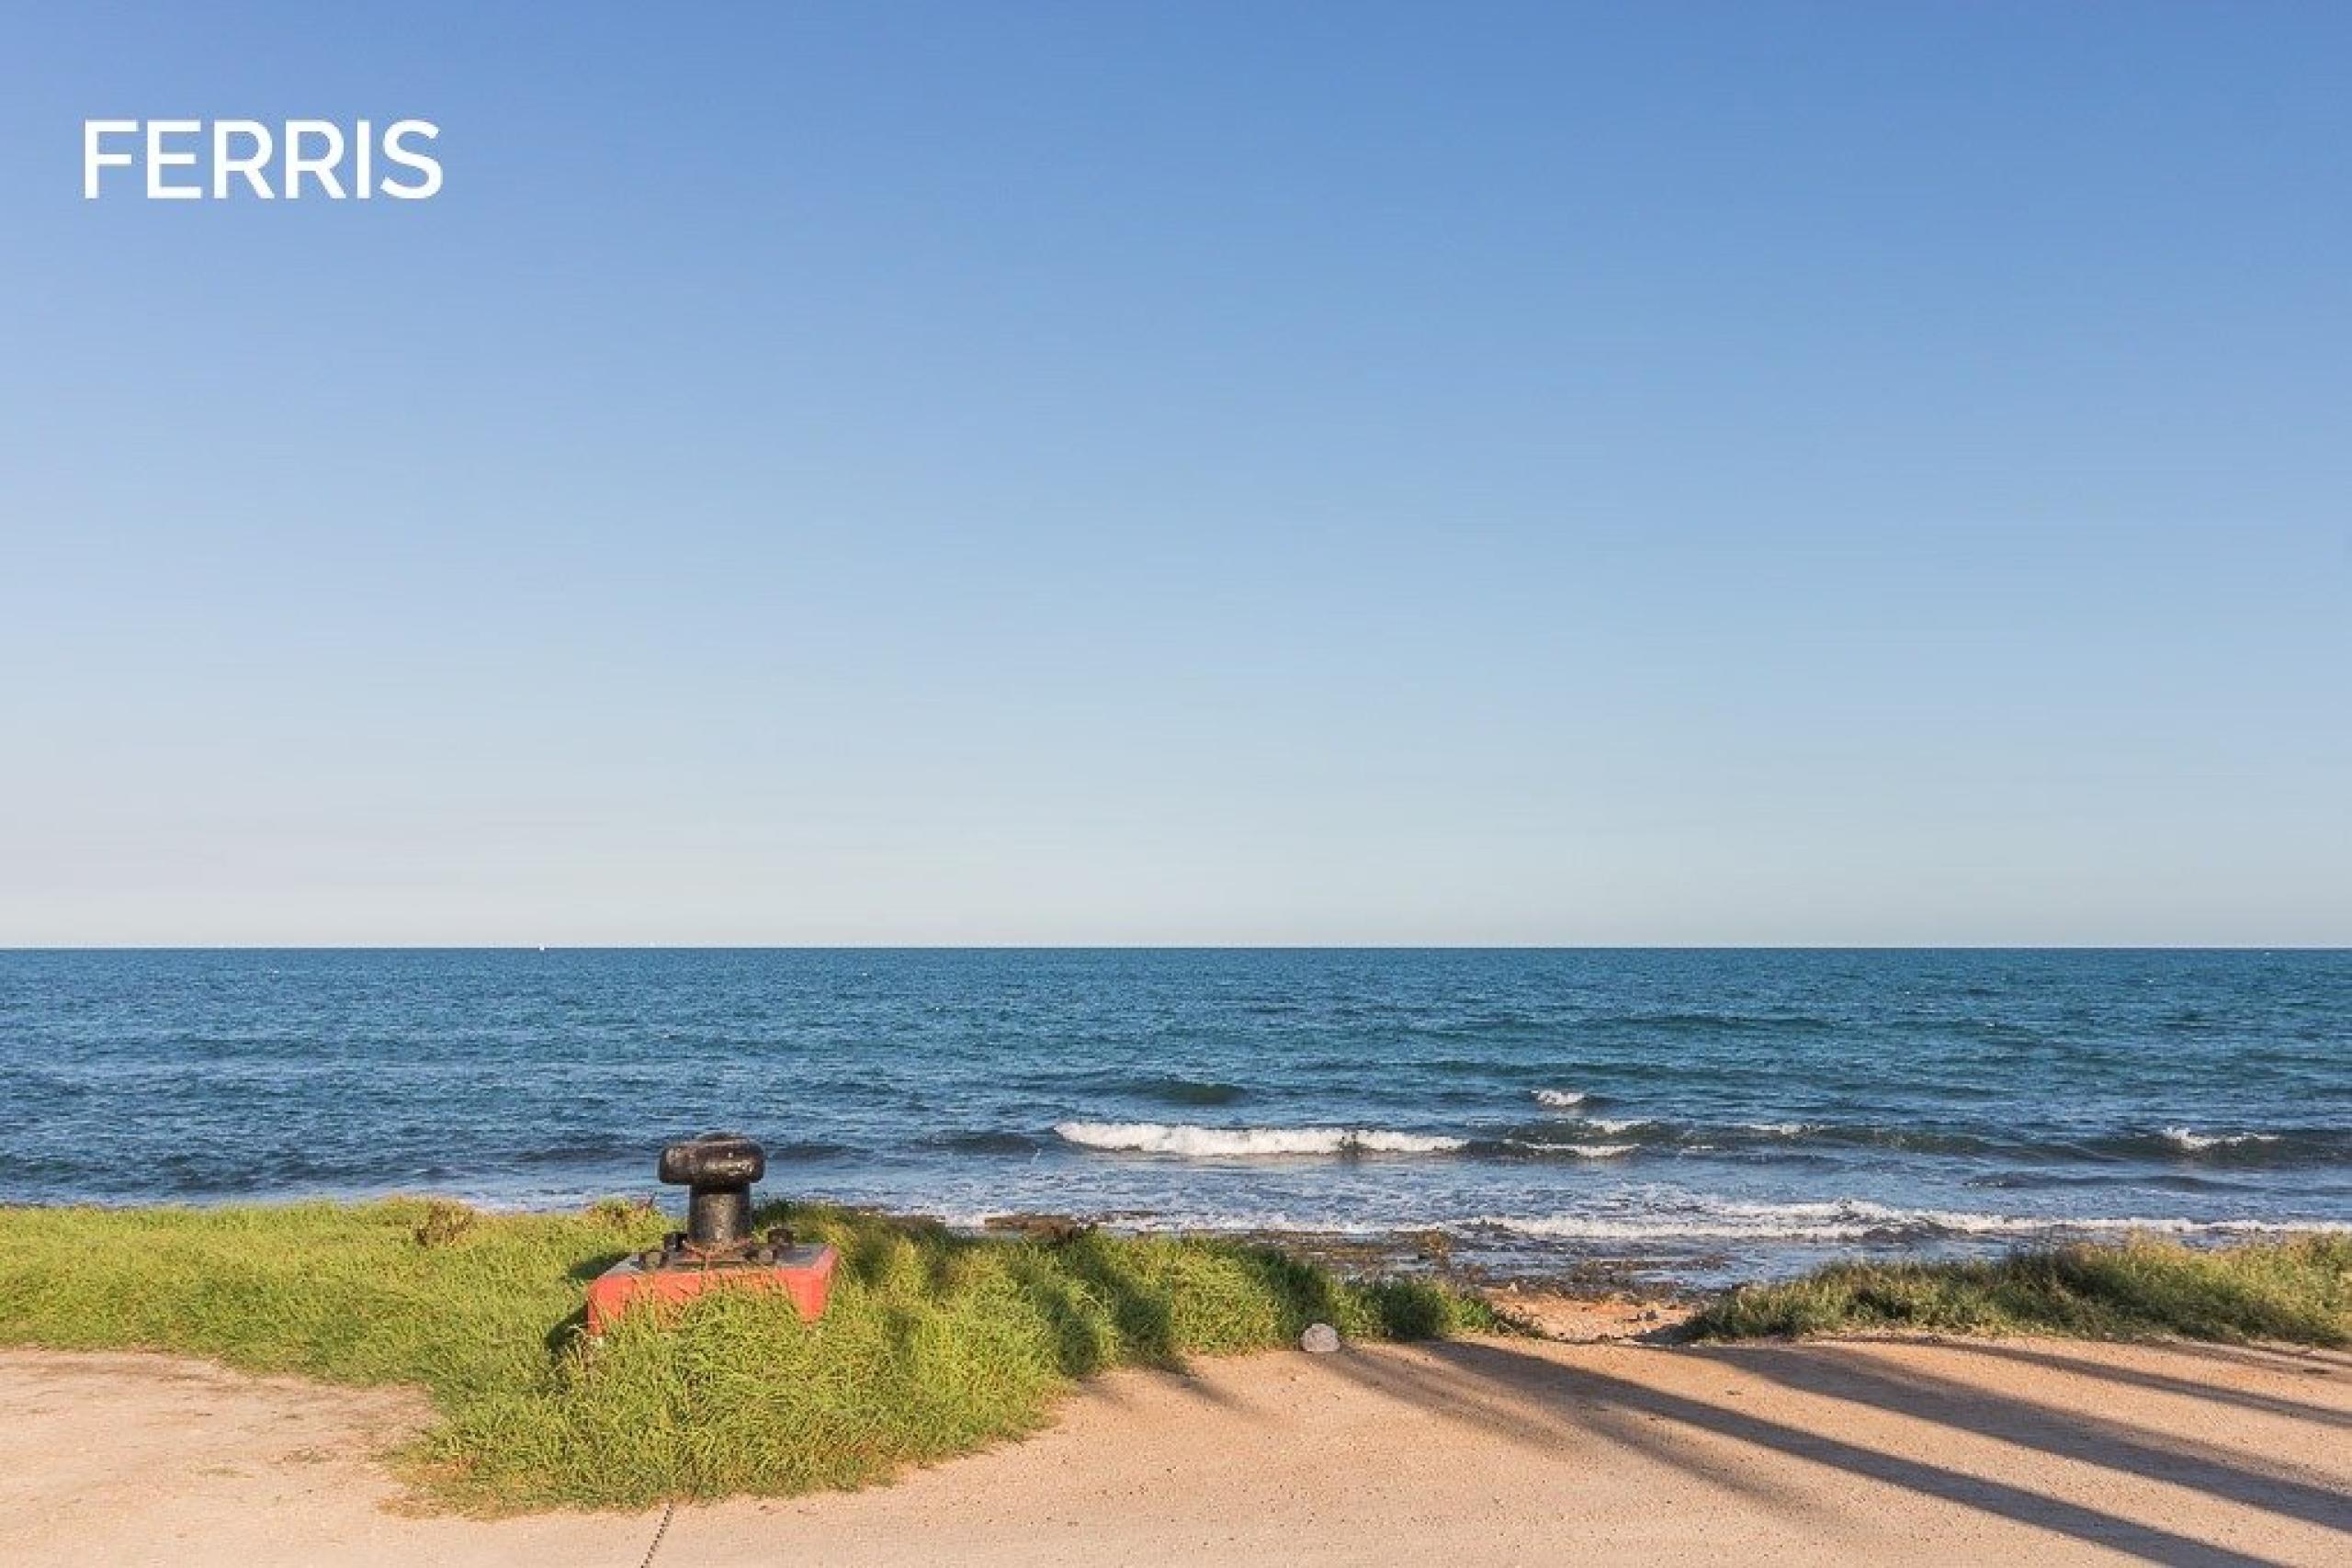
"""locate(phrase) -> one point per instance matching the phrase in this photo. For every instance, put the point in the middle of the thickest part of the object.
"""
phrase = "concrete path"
(1457, 1455)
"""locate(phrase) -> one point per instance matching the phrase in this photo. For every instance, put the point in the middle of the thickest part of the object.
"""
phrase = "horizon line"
(1180, 947)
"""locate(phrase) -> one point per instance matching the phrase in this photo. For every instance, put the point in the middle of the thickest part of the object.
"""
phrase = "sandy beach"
(1472, 1452)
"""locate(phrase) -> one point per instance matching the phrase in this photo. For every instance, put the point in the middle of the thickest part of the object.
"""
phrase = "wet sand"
(1477, 1452)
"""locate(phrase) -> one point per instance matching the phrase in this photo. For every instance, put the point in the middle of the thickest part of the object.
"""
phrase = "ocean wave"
(1247, 1143)
(1575, 1136)
(2277, 1148)
(2195, 1141)
(1700, 1136)
(1172, 1090)
(1855, 1220)
(1613, 1126)
(983, 1143)
(2045, 1178)
(1697, 1138)
(1551, 1141)
(1560, 1099)
(2173, 1145)
(1903, 1140)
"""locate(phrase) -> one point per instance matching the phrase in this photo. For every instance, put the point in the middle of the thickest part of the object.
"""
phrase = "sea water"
(1697, 1114)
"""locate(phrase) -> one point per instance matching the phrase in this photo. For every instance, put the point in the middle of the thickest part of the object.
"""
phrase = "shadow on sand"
(1533, 1399)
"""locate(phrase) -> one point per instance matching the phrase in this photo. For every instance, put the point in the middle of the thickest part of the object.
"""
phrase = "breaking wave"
(1611, 1125)
(1560, 1099)
(2197, 1143)
(1247, 1143)
(2281, 1149)
(1582, 1138)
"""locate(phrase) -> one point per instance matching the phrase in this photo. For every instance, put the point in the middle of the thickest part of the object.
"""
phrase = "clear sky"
(1099, 472)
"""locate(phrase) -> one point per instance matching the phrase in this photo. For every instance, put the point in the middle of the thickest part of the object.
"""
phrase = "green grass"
(2297, 1289)
(934, 1344)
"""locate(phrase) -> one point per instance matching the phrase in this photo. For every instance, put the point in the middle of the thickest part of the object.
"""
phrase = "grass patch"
(934, 1344)
(2297, 1289)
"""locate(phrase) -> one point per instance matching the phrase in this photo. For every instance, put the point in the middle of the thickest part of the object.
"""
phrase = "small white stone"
(1320, 1339)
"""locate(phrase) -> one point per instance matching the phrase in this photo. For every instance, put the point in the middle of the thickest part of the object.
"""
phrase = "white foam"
(1782, 1129)
(2182, 1137)
(1612, 1126)
(1597, 1151)
(1857, 1220)
(1246, 1143)
(1559, 1099)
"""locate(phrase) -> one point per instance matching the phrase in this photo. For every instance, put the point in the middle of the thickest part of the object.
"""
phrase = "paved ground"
(1460, 1455)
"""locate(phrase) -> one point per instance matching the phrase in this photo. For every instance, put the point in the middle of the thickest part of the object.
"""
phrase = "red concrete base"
(806, 1274)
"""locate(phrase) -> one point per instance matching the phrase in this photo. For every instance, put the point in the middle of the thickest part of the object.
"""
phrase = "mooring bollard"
(717, 1247)
(718, 1170)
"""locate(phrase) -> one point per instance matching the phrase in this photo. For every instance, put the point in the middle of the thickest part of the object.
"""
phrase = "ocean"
(1692, 1116)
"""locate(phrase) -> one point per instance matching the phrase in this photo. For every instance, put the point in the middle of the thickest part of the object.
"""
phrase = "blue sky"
(1190, 473)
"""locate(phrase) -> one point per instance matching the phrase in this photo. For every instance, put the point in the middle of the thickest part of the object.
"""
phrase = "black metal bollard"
(717, 1246)
(718, 1170)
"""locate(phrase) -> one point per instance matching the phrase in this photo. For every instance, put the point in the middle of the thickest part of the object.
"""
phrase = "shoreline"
(1581, 1302)
(1471, 1255)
